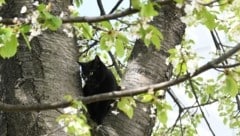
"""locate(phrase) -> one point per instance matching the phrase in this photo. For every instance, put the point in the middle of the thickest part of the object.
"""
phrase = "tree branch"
(33, 107)
(101, 8)
(115, 63)
(227, 66)
(126, 12)
(117, 94)
(116, 6)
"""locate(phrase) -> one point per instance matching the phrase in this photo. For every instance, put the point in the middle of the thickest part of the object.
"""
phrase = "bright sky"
(203, 46)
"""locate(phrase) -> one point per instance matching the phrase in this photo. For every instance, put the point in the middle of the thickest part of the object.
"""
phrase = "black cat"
(98, 79)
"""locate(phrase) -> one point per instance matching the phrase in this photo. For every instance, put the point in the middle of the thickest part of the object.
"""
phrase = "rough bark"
(147, 66)
(43, 74)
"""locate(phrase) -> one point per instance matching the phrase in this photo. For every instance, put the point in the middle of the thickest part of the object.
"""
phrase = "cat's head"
(90, 69)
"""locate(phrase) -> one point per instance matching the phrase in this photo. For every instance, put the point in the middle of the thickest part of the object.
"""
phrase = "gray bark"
(147, 66)
(43, 74)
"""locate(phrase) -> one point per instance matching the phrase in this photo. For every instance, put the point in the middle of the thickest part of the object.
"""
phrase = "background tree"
(45, 65)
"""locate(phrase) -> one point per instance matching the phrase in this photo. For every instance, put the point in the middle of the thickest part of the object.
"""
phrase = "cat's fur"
(98, 79)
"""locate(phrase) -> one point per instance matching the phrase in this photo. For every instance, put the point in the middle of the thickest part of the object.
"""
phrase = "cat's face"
(90, 69)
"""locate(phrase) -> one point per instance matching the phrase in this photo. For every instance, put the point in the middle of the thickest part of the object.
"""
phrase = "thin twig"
(209, 3)
(198, 103)
(115, 63)
(201, 105)
(109, 52)
(101, 8)
(227, 66)
(238, 102)
(116, 6)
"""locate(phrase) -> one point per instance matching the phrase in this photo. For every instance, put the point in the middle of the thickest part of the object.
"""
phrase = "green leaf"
(180, 1)
(10, 47)
(119, 48)
(104, 41)
(2, 2)
(41, 7)
(231, 86)
(210, 89)
(147, 41)
(26, 40)
(5, 35)
(123, 38)
(207, 18)
(156, 41)
(162, 108)
(136, 4)
(78, 2)
(53, 23)
(148, 10)
(47, 19)
(68, 98)
(126, 106)
(146, 98)
(107, 24)
(225, 120)
(181, 68)
(25, 28)
(87, 31)
(162, 116)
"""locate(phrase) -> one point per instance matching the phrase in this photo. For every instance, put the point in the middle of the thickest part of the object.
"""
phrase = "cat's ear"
(97, 59)
(97, 62)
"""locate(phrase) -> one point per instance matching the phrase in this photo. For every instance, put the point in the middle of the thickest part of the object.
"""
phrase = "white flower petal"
(23, 10)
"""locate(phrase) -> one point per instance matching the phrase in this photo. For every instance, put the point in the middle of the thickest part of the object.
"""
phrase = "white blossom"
(115, 112)
(68, 30)
(69, 33)
(70, 110)
(35, 31)
(62, 14)
(71, 8)
(134, 29)
(23, 9)
(36, 3)
(152, 115)
(192, 65)
(144, 109)
(36, 28)
(61, 123)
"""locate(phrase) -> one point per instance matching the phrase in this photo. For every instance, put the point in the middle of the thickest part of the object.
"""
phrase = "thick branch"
(117, 94)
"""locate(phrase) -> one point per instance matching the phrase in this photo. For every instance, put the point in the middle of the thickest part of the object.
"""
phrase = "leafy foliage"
(74, 120)
(48, 20)
(126, 105)
(2, 2)
(8, 42)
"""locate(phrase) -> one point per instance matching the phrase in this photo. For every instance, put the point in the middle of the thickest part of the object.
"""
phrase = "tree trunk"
(43, 74)
(147, 66)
